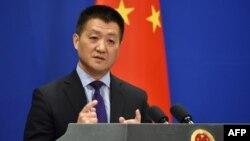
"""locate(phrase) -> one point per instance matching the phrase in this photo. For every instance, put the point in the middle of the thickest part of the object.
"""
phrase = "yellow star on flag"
(154, 18)
(124, 11)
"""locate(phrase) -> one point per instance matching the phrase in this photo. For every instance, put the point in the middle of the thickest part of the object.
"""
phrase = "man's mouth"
(99, 58)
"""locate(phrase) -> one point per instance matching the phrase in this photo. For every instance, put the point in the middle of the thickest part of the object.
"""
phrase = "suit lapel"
(75, 92)
(116, 99)
(76, 95)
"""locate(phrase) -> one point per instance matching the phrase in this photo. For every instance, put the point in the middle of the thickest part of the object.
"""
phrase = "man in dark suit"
(73, 99)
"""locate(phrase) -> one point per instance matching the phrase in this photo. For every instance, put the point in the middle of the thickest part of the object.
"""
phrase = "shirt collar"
(86, 79)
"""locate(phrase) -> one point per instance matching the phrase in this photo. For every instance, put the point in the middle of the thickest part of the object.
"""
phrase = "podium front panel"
(94, 132)
(172, 132)
(143, 132)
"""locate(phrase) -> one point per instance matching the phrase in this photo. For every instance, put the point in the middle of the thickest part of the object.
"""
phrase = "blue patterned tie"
(100, 107)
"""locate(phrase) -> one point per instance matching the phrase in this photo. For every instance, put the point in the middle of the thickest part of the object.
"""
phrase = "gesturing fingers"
(89, 106)
(137, 118)
(88, 113)
(138, 115)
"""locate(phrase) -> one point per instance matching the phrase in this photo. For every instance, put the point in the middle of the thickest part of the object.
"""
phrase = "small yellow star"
(124, 11)
(154, 18)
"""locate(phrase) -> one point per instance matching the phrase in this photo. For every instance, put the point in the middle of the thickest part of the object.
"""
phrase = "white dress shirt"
(89, 90)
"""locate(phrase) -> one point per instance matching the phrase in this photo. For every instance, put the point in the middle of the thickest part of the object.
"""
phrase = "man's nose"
(101, 47)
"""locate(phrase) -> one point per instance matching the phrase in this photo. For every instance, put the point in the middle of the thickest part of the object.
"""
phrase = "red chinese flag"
(142, 59)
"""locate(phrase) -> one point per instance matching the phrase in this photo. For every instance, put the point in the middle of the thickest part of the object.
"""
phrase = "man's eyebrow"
(95, 31)
(113, 35)
(109, 34)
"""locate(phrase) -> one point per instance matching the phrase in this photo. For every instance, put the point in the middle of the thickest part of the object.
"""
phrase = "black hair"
(102, 12)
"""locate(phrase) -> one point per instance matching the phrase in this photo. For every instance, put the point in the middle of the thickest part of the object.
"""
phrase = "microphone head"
(180, 114)
(157, 115)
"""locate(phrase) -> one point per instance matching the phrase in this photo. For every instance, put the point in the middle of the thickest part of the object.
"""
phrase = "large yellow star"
(124, 11)
(154, 18)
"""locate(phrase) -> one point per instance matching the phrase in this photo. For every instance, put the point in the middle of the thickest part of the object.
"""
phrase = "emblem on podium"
(202, 135)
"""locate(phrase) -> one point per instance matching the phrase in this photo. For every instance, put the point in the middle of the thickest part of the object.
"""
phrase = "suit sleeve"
(39, 124)
(145, 117)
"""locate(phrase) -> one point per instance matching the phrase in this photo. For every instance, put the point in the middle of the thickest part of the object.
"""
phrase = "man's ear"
(76, 39)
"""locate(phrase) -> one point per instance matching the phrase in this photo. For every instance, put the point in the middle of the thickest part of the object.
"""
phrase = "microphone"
(181, 114)
(157, 115)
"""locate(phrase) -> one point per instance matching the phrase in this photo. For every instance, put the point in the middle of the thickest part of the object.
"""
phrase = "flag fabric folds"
(142, 60)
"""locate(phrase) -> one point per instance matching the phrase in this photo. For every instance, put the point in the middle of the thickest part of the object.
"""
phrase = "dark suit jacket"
(59, 103)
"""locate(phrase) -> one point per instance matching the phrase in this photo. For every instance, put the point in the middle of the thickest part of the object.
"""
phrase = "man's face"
(97, 46)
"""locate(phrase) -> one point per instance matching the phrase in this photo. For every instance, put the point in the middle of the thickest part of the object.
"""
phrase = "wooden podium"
(143, 132)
